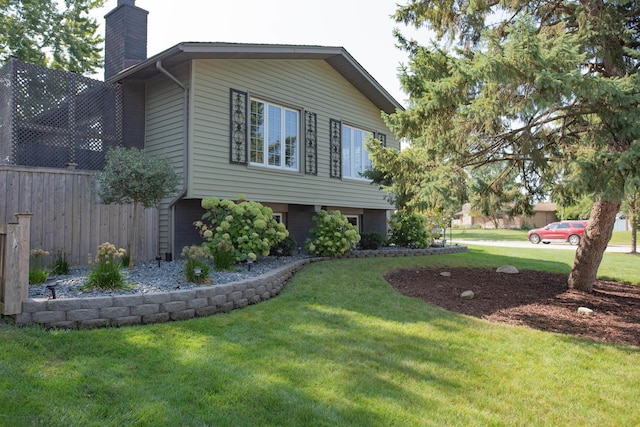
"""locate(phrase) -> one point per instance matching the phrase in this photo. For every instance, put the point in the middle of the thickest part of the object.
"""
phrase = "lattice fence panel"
(57, 119)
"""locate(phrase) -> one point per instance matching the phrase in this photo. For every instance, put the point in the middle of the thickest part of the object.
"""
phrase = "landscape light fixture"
(197, 271)
(249, 263)
(52, 288)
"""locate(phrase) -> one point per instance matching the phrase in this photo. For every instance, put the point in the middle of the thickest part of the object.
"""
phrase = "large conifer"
(548, 88)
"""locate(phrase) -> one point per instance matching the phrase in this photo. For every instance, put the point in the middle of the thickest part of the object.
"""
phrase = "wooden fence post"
(15, 274)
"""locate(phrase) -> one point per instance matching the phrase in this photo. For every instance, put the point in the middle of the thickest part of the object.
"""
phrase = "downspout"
(185, 160)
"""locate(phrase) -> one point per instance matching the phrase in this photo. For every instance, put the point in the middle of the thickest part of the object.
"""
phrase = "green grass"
(337, 347)
(618, 237)
(487, 234)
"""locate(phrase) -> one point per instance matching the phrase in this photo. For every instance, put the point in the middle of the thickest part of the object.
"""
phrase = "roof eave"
(337, 57)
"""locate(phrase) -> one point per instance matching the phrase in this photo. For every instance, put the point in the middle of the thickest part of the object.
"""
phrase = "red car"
(565, 231)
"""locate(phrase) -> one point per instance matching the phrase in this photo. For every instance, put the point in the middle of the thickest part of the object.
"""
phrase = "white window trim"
(357, 218)
(265, 148)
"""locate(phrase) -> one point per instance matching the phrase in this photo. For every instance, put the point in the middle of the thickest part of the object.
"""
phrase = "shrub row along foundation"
(123, 310)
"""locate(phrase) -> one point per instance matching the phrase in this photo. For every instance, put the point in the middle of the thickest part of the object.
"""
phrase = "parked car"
(564, 231)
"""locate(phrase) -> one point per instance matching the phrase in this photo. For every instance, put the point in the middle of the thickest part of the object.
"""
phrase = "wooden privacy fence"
(67, 216)
(14, 264)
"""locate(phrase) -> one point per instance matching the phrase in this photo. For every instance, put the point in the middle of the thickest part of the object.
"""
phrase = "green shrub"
(37, 274)
(371, 240)
(285, 248)
(196, 256)
(247, 229)
(525, 226)
(105, 272)
(410, 229)
(333, 235)
(60, 265)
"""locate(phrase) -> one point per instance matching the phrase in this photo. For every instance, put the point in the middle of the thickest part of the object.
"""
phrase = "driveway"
(540, 246)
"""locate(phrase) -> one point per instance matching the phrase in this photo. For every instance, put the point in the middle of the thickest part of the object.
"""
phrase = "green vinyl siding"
(310, 85)
(165, 133)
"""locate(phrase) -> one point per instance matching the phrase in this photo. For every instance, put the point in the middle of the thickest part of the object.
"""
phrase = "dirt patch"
(535, 299)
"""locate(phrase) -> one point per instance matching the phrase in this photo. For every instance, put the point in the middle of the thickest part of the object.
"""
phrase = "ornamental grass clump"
(333, 235)
(105, 271)
(37, 273)
(60, 265)
(244, 229)
(197, 257)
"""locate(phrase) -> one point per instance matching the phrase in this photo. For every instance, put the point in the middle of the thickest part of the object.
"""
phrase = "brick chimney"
(125, 39)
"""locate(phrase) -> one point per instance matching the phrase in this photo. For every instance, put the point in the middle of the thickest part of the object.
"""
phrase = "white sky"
(363, 27)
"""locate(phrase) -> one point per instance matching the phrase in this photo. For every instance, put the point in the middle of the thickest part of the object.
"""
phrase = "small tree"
(133, 176)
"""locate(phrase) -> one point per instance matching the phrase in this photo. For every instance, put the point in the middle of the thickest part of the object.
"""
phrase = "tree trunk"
(593, 244)
(634, 231)
(132, 241)
(634, 221)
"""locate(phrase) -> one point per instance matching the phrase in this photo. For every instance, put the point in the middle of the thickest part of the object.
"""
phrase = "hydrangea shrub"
(410, 229)
(333, 235)
(246, 228)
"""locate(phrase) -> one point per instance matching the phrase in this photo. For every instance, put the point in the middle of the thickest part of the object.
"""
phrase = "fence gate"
(14, 264)
(3, 240)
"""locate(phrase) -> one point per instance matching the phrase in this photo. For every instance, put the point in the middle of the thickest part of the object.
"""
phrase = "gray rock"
(508, 269)
(467, 294)
(445, 274)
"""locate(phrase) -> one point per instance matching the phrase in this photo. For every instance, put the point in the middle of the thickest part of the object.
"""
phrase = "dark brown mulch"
(535, 299)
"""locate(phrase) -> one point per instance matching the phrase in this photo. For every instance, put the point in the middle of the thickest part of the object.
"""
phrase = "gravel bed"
(147, 277)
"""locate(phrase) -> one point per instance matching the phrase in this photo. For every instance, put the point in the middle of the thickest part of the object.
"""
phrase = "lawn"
(337, 347)
(618, 237)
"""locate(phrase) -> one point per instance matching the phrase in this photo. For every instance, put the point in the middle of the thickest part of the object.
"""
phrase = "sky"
(363, 27)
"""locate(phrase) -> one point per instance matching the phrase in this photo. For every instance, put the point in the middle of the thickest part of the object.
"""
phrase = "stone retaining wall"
(122, 310)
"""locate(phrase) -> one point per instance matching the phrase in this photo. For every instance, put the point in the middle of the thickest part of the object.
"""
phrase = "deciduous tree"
(58, 35)
(549, 88)
(133, 176)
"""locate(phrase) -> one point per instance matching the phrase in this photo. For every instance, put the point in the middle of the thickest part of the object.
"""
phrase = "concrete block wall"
(124, 310)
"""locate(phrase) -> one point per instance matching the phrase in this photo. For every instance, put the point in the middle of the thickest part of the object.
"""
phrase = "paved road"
(540, 246)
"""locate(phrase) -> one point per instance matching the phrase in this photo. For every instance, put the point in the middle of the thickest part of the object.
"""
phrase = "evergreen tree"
(549, 88)
(494, 193)
(44, 32)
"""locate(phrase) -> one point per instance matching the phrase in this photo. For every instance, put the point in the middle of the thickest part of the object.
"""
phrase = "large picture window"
(355, 156)
(274, 136)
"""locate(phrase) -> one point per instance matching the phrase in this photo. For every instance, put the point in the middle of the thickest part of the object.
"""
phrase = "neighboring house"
(544, 213)
(284, 125)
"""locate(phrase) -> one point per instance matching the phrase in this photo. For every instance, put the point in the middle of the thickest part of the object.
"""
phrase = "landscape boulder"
(467, 294)
(508, 269)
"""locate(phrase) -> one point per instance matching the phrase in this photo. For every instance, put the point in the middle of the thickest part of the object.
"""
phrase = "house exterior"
(284, 125)
(543, 214)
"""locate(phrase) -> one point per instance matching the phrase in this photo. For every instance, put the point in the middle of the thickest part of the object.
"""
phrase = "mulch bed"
(534, 299)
